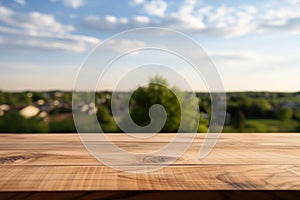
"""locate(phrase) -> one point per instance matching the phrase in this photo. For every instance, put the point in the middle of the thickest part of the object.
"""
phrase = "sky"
(254, 44)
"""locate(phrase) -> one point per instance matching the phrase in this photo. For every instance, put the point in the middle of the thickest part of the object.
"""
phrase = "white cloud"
(138, 2)
(295, 2)
(33, 21)
(228, 21)
(152, 7)
(187, 18)
(123, 20)
(192, 16)
(222, 14)
(156, 8)
(40, 31)
(141, 19)
(21, 2)
(74, 3)
(280, 17)
(112, 23)
(236, 21)
(110, 19)
(5, 12)
(108, 23)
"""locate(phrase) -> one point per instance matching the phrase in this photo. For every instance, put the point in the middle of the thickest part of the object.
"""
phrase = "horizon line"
(229, 91)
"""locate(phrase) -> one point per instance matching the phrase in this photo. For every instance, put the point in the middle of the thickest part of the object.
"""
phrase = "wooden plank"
(46, 162)
(201, 177)
(231, 149)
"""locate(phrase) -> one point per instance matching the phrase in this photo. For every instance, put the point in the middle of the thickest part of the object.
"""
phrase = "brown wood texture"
(59, 162)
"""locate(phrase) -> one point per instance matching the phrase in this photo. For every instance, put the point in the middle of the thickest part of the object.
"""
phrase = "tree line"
(246, 111)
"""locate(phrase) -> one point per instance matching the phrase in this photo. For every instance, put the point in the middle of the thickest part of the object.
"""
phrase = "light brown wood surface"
(59, 162)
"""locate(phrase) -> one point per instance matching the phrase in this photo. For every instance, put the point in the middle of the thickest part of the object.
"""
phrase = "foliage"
(285, 114)
(64, 126)
(16, 123)
(174, 102)
(106, 120)
(203, 124)
(247, 111)
(265, 126)
(239, 121)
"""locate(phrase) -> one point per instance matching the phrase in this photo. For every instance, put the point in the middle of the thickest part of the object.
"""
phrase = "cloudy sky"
(254, 44)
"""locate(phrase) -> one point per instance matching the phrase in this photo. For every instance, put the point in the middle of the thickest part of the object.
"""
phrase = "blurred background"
(254, 45)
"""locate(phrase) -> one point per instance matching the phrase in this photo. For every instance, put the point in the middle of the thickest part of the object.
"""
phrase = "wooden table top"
(59, 162)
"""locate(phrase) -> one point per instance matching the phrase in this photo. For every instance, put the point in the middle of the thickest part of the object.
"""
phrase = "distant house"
(43, 114)
(4, 108)
(29, 111)
(58, 94)
(89, 108)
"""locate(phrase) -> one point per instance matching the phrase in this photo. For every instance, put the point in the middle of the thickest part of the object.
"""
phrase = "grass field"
(265, 125)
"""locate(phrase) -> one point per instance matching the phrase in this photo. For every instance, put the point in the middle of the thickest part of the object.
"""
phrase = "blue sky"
(254, 44)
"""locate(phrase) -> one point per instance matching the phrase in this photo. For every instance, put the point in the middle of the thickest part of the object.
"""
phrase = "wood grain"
(59, 162)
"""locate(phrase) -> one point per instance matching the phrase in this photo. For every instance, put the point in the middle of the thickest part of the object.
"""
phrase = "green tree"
(175, 105)
(297, 114)
(106, 120)
(239, 121)
(37, 96)
(260, 107)
(203, 124)
(2, 98)
(285, 114)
